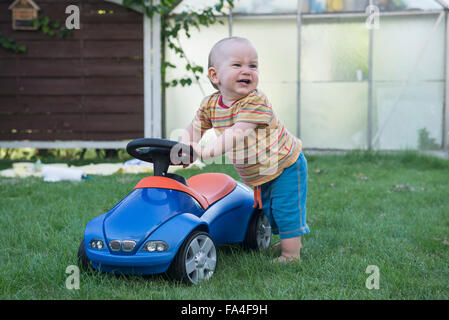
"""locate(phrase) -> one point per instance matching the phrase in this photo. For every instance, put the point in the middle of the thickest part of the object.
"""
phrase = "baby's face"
(237, 72)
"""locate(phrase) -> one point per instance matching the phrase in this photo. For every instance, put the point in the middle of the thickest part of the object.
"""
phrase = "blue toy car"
(170, 224)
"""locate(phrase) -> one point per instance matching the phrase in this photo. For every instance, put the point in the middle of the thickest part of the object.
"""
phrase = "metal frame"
(446, 88)
(298, 88)
(152, 96)
(370, 88)
(443, 4)
(331, 15)
(230, 22)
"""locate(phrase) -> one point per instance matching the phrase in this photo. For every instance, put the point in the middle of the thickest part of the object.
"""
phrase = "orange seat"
(167, 183)
(206, 188)
(212, 186)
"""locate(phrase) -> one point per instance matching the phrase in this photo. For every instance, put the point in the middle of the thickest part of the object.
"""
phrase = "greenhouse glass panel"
(334, 115)
(334, 84)
(254, 7)
(325, 6)
(249, 7)
(196, 5)
(400, 5)
(408, 87)
(265, 6)
(413, 122)
(311, 6)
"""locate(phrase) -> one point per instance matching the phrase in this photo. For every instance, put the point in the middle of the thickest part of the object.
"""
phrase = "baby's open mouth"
(247, 81)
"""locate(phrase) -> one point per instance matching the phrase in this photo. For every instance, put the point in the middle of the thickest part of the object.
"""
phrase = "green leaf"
(127, 3)
(198, 69)
(64, 33)
(167, 64)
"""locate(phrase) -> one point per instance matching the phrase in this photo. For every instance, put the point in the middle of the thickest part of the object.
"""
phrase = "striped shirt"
(264, 152)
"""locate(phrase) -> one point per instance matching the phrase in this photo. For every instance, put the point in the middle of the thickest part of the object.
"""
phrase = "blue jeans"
(284, 200)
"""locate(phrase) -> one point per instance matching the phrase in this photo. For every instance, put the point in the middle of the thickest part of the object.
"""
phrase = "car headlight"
(96, 244)
(155, 246)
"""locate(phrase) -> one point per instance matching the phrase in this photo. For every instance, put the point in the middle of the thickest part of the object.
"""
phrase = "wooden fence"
(88, 86)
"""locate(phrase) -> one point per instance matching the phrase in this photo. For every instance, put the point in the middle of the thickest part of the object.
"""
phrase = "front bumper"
(139, 263)
(173, 232)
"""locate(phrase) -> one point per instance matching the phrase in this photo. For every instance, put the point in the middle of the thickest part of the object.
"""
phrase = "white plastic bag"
(54, 174)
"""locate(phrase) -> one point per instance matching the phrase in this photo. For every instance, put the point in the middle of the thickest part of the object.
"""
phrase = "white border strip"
(312, 16)
(156, 95)
(147, 78)
(446, 88)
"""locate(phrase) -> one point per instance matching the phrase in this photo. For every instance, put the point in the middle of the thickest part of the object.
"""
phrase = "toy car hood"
(143, 211)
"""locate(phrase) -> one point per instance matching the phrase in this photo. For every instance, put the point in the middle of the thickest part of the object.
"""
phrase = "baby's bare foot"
(283, 259)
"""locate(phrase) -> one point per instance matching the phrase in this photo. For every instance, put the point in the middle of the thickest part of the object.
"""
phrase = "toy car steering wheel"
(161, 152)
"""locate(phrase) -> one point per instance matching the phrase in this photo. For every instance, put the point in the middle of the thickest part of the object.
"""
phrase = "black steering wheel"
(161, 152)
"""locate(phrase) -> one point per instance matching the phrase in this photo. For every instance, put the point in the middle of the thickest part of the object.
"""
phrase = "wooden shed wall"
(88, 86)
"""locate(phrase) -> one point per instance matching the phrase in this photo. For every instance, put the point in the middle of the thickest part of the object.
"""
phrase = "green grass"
(387, 210)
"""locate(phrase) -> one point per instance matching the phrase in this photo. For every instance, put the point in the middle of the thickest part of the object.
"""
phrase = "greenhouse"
(340, 74)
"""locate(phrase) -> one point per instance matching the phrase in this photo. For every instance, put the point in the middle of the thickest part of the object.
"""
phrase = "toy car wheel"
(258, 235)
(83, 260)
(196, 259)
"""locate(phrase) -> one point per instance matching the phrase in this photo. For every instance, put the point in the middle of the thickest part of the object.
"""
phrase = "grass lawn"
(386, 210)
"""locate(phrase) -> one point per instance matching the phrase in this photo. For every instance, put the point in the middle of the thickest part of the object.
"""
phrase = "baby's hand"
(198, 149)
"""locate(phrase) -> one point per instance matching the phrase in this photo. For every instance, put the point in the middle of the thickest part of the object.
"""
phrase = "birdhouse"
(24, 12)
